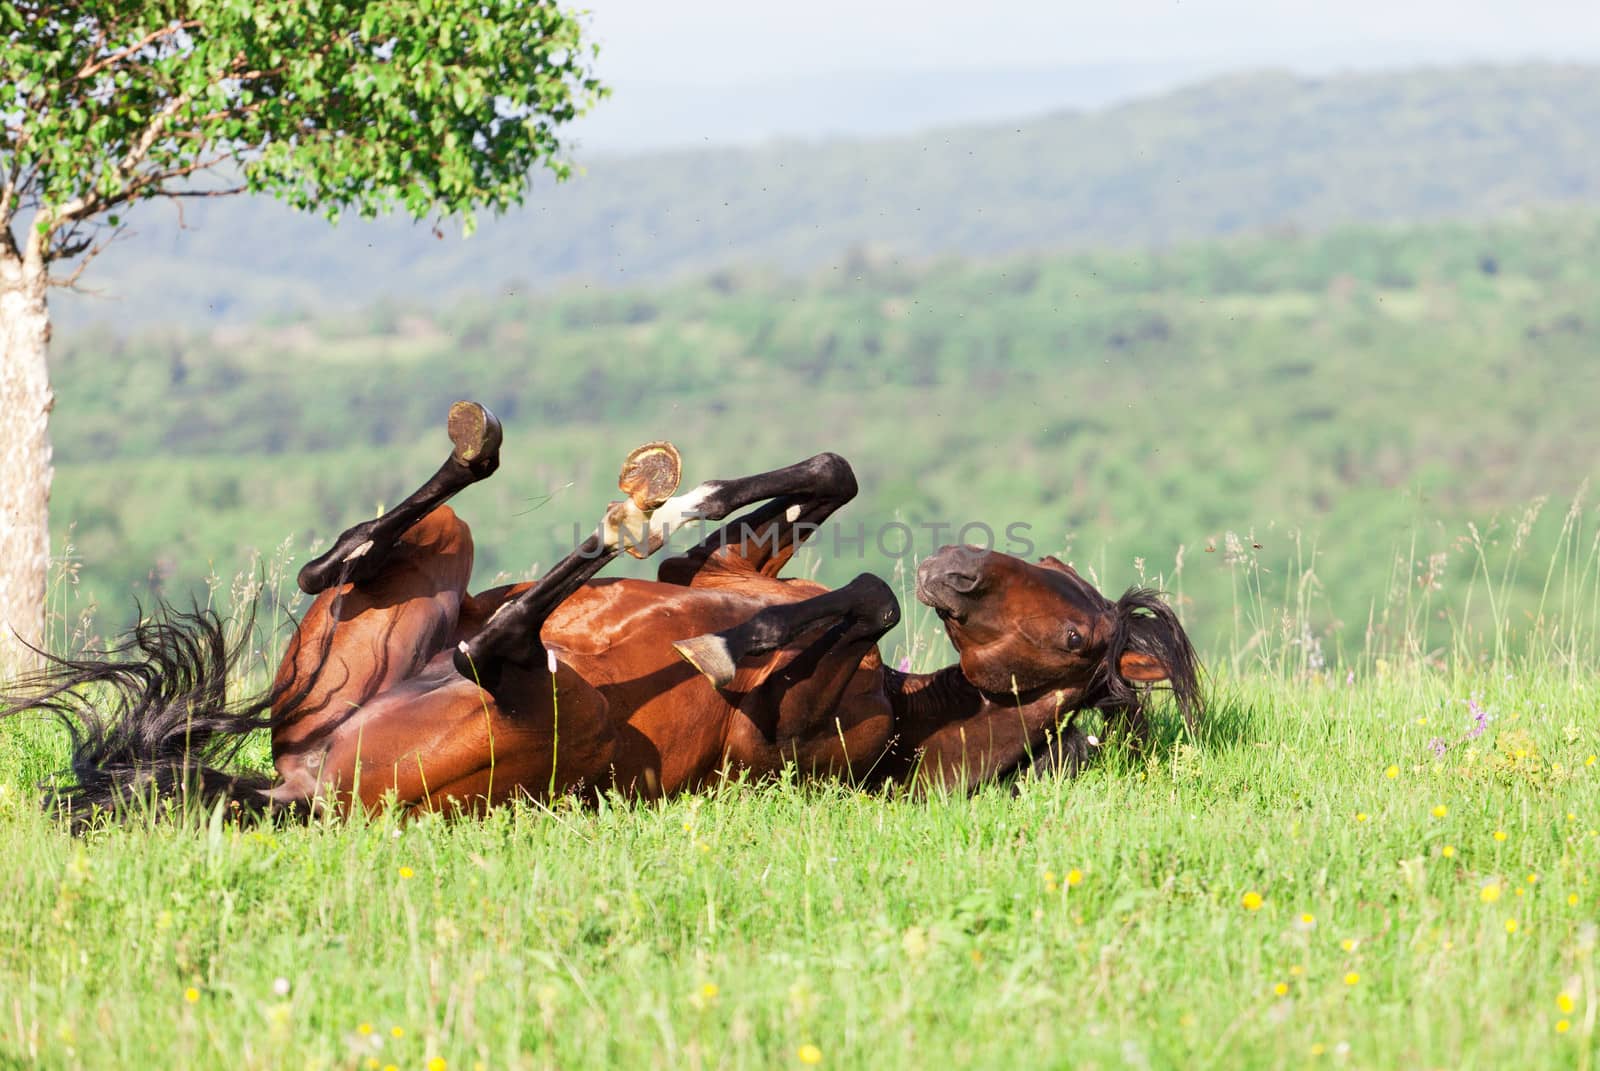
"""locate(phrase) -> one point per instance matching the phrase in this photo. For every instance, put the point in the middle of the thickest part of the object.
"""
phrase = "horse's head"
(1023, 628)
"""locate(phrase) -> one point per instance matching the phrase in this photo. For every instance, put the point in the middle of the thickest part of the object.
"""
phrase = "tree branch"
(143, 184)
(84, 239)
(175, 194)
(89, 252)
(82, 207)
(89, 70)
(12, 184)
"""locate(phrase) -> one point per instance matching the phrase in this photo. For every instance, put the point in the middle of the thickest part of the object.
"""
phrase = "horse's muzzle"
(947, 579)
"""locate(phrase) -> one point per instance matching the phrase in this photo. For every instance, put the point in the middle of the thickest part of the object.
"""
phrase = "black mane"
(1145, 624)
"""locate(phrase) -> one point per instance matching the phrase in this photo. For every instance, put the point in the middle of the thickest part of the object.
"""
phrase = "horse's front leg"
(806, 679)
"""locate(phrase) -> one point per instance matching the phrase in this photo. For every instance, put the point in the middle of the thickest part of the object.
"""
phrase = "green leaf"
(342, 127)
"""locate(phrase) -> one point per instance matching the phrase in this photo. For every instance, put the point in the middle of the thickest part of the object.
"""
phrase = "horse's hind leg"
(362, 638)
(360, 552)
(801, 496)
(865, 606)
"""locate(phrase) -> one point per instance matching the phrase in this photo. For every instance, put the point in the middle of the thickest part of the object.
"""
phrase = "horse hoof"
(650, 474)
(710, 655)
(476, 435)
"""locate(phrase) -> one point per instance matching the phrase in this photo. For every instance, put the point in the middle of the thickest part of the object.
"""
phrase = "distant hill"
(1239, 154)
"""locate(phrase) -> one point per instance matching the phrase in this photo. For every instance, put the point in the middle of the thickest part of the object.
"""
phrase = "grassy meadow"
(1357, 460)
(1308, 884)
(1390, 864)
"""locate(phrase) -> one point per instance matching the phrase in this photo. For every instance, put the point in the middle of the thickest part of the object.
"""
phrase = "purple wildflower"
(1438, 747)
(1350, 677)
(905, 664)
(1480, 718)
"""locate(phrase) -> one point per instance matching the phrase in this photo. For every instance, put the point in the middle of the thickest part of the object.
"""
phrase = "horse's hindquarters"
(439, 742)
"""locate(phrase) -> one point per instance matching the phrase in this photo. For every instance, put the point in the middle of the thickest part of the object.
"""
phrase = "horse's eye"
(1074, 640)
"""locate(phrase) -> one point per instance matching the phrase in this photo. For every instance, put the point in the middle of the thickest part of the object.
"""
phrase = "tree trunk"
(25, 403)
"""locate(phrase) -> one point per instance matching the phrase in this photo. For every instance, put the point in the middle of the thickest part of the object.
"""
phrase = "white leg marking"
(625, 521)
(679, 510)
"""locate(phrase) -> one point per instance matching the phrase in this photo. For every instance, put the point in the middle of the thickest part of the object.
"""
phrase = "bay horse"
(400, 688)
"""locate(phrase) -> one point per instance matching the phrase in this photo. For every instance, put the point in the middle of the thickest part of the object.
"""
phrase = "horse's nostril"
(964, 583)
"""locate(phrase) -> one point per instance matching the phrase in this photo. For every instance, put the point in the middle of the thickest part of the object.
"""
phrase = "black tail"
(150, 719)
(1147, 625)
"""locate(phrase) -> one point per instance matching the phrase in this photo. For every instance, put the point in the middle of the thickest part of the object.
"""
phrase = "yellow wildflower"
(1352, 978)
(1251, 901)
(1500, 834)
(1440, 811)
(192, 995)
(1562, 1026)
(1392, 772)
(1448, 851)
(406, 873)
(1565, 1003)
(1489, 893)
(809, 1054)
(1282, 989)
(1511, 925)
(1074, 877)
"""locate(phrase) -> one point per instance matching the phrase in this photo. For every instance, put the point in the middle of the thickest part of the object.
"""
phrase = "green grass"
(887, 932)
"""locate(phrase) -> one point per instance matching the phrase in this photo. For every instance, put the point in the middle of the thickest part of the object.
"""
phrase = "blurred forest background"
(1292, 333)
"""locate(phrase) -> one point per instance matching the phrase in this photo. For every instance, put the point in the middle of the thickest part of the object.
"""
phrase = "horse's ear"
(1141, 668)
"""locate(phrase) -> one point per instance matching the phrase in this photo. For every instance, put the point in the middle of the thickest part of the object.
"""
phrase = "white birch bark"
(25, 472)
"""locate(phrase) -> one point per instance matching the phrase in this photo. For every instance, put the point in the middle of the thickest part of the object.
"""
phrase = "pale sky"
(722, 42)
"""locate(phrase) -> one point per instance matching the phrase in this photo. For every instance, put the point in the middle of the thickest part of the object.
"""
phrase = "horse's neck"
(923, 703)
